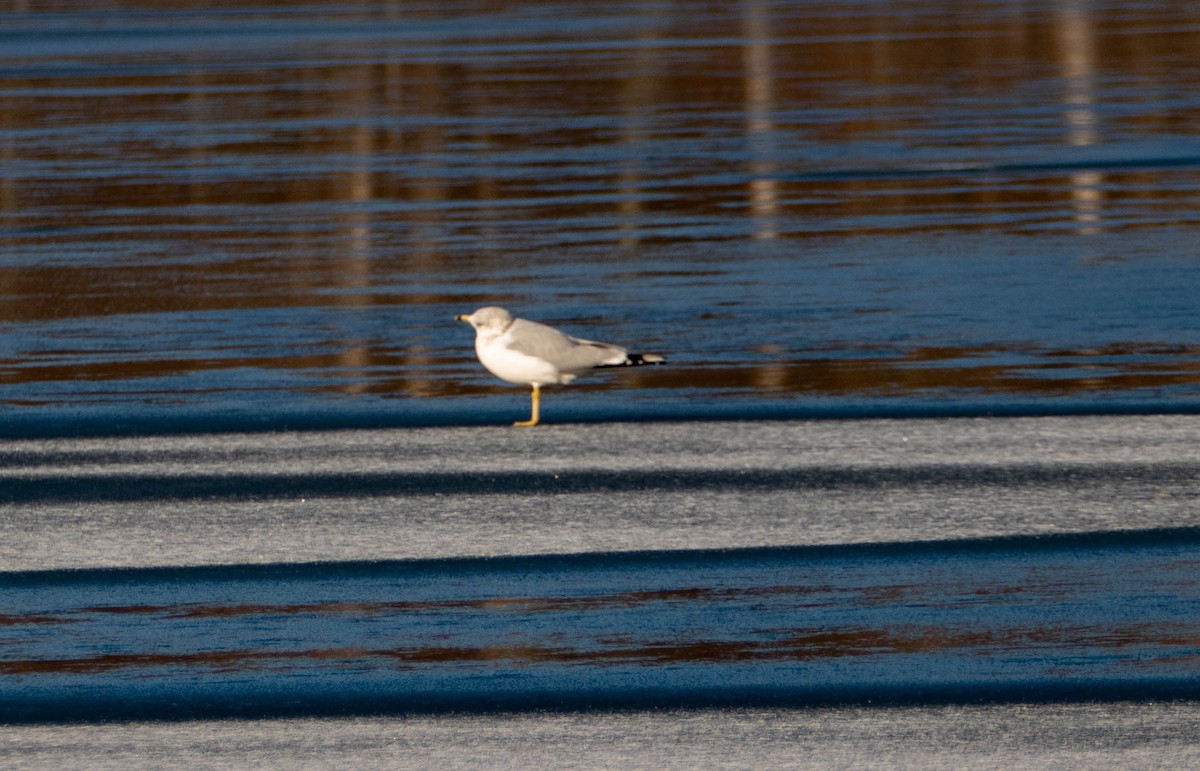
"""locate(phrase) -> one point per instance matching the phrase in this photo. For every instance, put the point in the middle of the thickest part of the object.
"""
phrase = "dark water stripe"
(42, 423)
(761, 556)
(253, 703)
(146, 488)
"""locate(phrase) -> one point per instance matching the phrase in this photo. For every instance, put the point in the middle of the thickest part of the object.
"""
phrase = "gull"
(534, 354)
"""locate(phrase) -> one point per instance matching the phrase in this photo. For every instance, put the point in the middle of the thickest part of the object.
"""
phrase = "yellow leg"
(533, 419)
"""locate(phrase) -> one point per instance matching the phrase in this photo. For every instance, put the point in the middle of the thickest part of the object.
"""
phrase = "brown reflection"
(1154, 644)
(1117, 367)
(45, 293)
(21, 619)
(815, 56)
(94, 372)
(924, 370)
(218, 660)
(907, 375)
(515, 604)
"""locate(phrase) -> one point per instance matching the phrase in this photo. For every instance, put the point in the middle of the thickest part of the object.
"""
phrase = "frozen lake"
(1018, 590)
(221, 225)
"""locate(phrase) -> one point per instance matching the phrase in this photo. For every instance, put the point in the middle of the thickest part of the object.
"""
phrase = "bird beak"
(462, 317)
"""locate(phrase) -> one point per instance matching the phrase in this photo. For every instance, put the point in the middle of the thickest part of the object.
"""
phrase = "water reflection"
(760, 99)
(1079, 72)
(293, 199)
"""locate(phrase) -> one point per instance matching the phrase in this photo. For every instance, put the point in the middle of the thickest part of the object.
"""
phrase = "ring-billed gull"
(534, 354)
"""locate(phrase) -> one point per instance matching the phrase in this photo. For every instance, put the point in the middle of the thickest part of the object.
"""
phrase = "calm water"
(272, 213)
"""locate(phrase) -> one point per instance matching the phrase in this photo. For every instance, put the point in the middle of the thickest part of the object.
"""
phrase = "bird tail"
(638, 359)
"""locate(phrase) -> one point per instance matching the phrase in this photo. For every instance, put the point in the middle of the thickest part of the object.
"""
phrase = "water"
(265, 217)
(1048, 619)
(996, 588)
(269, 215)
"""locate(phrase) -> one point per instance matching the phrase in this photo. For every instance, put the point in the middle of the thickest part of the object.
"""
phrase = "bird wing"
(565, 353)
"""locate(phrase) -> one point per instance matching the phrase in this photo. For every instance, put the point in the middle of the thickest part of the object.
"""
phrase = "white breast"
(507, 364)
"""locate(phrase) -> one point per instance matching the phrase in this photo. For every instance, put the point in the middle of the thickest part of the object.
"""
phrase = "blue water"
(269, 216)
(1047, 619)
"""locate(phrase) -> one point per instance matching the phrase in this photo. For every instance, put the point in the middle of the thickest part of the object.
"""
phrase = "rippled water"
(1110, 618)
(271, 213)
